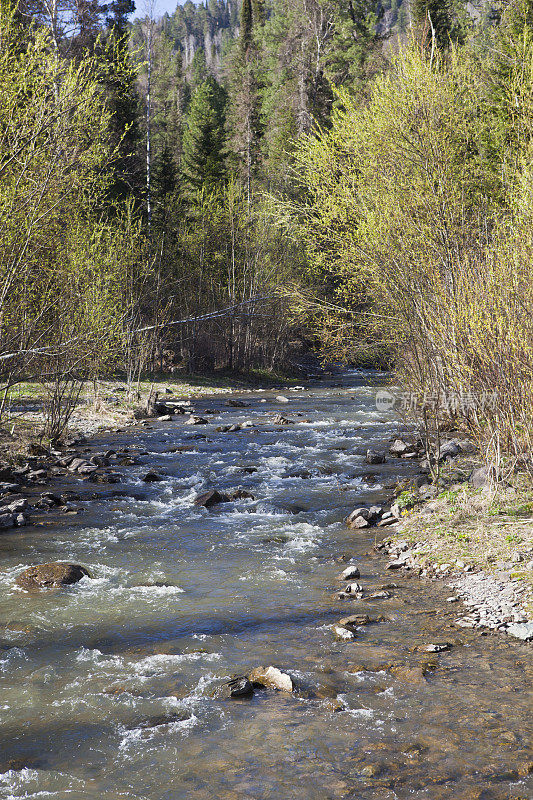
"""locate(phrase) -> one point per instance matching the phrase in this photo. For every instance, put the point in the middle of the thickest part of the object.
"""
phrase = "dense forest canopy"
(353, 174)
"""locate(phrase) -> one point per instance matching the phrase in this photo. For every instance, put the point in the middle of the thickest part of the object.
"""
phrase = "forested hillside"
(198, 190)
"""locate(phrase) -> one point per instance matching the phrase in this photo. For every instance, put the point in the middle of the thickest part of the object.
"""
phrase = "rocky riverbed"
(221, 632)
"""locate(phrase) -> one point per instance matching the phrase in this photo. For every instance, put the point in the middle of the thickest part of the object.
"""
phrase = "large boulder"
(51, 576)
(398, 448)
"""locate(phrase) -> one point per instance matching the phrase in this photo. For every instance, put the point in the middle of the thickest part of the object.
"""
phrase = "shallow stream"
(107, 687)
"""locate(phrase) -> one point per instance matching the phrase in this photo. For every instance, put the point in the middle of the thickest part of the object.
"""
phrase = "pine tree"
(246, 26)
(244, 82)
(258, 12)
(204, 137)
(435, 18)
(123, 100)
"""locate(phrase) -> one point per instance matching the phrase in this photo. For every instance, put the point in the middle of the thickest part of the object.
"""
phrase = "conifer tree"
(435, 18)
(123, 100)
(246, 26)
(204, 137)
(245, 127)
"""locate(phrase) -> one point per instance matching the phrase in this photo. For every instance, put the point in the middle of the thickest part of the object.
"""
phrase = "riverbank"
(476, 535)
(111, 405)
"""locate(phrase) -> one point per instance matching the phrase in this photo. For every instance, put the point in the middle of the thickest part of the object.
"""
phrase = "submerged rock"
(373, 457)
(354, 621)
(49, 576)
(196, 420)
(152, 477)
(241, 494)
(212, 498)
(240, 687)
(343, 634)
(271, 678)
(383, 595)
(440, 647)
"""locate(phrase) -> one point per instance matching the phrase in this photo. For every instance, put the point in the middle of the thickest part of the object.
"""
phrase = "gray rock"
(16, 507)
(343, 634)
(196, 420)
(387, 520)
(279, 419)
(354, 621)
(398, 448)
(383, 595)
(448, 450)
(373, 457)
(359, 522)
(397, 564)
(350, 572)
(358, 512)
(7, 521)
(375, 511)
(522, 630)
(466, 622)
(353, 588)
(480, 477)
(9, 487)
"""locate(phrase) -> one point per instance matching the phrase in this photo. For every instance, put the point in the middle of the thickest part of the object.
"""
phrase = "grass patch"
(486, 528)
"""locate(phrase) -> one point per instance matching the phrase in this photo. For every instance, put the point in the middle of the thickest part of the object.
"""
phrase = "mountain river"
(108, 688)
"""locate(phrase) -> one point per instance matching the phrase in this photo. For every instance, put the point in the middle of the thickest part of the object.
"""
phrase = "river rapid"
(108, 688)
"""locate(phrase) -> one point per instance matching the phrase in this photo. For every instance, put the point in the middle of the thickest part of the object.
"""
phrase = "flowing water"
(107, 688)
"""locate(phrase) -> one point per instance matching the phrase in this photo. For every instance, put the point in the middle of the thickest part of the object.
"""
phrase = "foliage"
(411, 206)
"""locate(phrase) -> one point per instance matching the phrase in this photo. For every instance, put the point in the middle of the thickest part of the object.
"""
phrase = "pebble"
(493, 601)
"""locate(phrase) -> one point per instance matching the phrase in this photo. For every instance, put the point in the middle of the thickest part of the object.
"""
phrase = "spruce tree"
(244, 89)
(246, 26)
(435, 18)
(204, 137)
(123, 100)
(258, 12)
